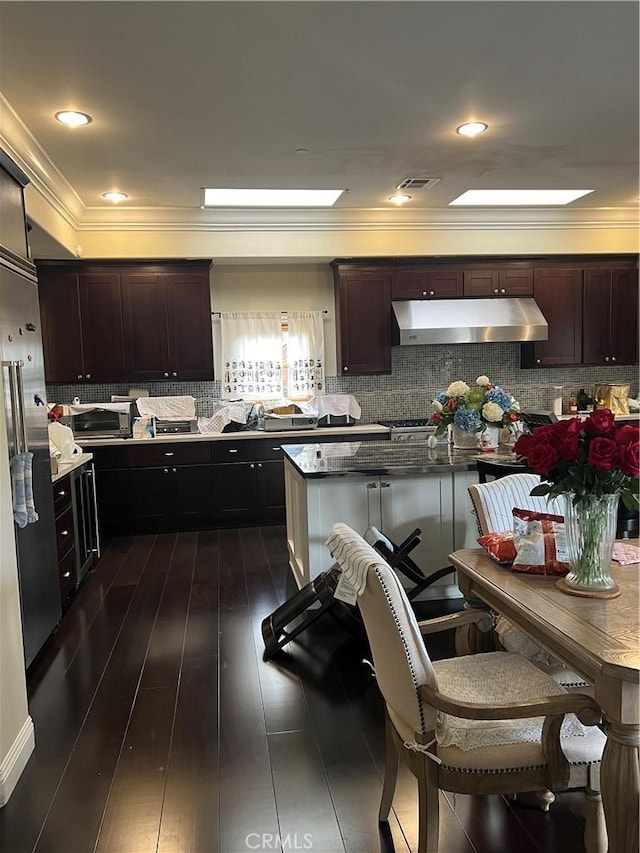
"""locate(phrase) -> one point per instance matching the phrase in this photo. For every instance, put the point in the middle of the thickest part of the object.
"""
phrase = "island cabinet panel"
(558, 293)
(363, 321)
(396, 505)
(423, 282)
(610, 317)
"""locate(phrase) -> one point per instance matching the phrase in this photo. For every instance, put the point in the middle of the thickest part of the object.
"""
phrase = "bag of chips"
(499, 546)
(540, 543)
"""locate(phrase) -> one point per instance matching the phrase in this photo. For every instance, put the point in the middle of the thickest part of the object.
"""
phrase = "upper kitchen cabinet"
(610, 316)
(498, 281)
(363, 319)
(82, 324)
(558, 293)
(13, 238)
(426, 282)
(167, 322)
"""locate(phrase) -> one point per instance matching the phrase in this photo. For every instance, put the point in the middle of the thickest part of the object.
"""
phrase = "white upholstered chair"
(479, 724)
(493, 503)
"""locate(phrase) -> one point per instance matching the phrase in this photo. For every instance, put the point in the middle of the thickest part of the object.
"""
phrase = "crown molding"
(20, 144)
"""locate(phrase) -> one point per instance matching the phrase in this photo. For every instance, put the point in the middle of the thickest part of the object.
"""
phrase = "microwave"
(107, 420)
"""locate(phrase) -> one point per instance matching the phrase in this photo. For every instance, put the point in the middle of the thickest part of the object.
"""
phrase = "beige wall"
(275, 287)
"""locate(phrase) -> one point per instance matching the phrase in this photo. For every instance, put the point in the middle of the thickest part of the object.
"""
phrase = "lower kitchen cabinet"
(248, 482)
(170, 498)
(77, 538)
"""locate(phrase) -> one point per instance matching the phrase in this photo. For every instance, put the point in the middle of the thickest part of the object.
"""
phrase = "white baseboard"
(14, 762)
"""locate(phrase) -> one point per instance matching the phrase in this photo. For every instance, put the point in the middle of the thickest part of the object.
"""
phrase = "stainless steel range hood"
(469, 321)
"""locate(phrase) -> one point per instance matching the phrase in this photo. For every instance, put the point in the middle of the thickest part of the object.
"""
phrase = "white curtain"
(251, 354)
(305, 353)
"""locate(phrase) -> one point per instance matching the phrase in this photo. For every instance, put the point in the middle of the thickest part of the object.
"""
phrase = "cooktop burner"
(407, 423)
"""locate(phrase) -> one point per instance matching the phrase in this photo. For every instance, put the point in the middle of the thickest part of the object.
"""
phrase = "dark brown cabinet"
(167, 319)
(248, 481)
(65, 539)
(117, 323)
(498, 282)
(558, 293)
(82, 325)
(610, 316)
(425, 282)
(363, 320)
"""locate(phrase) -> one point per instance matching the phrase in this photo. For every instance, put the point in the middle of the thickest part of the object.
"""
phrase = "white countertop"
(293, 435)
(65, 468)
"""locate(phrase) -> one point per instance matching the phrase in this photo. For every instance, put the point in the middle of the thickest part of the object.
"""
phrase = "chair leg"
(390, 770)
(428, 808)
(595, 829)
(545, 799)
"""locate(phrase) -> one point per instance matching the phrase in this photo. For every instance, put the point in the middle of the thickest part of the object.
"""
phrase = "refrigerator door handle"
(20, 390)
(17, 409)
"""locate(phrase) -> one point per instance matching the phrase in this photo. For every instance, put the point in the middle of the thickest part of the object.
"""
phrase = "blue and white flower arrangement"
(473, 409)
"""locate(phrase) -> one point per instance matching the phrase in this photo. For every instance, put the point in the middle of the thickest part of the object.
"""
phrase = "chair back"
(493, 502)
(399, 655)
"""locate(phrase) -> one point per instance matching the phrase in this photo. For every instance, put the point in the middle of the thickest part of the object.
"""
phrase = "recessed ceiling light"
(528, 198)
(72, 118)
(115, 197)
(472, 128)
(270, 198)
(399, 198)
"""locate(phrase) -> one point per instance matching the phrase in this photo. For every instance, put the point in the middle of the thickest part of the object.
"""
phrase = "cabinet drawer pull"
(62, 493)
(234, 450)
(64, 533)
(170, 453)
(275, 448)
(66, 575)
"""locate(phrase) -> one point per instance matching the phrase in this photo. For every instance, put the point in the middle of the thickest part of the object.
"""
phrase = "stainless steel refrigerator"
(25, 410)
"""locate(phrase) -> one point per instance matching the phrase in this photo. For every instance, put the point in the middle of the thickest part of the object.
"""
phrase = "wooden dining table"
(599, 639)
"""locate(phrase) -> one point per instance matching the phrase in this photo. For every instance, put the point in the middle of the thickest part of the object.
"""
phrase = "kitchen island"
(393, 486)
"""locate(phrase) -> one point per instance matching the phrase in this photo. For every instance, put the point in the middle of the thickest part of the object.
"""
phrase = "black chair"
(315, 599)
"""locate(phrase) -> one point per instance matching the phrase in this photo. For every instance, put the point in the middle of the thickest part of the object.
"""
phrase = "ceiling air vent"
(417, 183)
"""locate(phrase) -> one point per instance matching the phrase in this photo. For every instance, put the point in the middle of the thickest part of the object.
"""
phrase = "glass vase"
(590, 527)
(463, 440)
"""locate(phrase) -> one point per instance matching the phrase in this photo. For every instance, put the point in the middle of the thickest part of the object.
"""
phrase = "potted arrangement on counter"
(475, 415)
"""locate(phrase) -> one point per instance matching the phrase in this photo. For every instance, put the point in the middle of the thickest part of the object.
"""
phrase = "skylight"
(270, 198)
(528, 198)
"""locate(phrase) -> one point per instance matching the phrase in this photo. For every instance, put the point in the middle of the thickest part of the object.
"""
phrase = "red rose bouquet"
(593, 463)
(592, 457)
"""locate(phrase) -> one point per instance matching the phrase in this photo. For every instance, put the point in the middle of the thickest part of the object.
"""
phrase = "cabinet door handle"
(385, 485)
(259, 464)
(166, 374)
(613, 358)
(252, 465)
(174, 374)
(431, 293)
(345, 369)
(64, 532)
(79, 376)
(62, 493)
(537, 361)
(424, 292)
(66, 575)
(88, 376)
(496, 290)
(372, 485)
(165, 470)
(175, 470)
(503, 290)
(606, 358)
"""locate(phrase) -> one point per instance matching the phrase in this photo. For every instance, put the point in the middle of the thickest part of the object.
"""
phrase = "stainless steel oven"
(101, 420)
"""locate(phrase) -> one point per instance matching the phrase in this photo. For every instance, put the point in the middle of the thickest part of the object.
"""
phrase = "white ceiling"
(191, 94)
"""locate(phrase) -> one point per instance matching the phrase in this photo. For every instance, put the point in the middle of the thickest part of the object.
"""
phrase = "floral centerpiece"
(593, 463)
(472, 410)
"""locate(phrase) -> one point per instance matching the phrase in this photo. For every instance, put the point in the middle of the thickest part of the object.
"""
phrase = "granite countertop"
(354, 429)
(65, 468)
(386, 458)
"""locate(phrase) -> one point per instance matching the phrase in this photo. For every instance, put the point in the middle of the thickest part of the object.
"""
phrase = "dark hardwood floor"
(160, 728)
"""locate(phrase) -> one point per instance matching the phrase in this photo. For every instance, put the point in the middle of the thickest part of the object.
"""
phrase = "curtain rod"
(219, 313)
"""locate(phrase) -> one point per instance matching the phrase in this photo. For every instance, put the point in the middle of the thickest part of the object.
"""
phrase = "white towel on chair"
(352, 554)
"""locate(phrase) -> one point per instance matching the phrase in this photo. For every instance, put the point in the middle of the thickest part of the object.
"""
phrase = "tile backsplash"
(418, 374)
